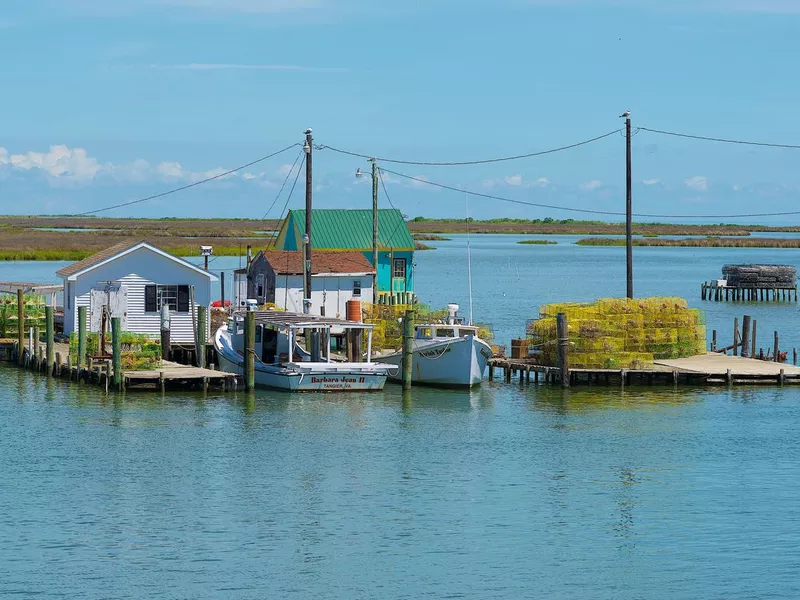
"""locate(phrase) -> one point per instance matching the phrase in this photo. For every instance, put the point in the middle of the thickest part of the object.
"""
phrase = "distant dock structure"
(752, 283)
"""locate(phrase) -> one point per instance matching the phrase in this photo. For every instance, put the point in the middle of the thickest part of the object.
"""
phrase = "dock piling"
(201, 337)
(776, 355)
(250, 350)
(20, 327)
(563, 348)
(746, 324)
(408, 349)
(116, 351)
(753, 340)
(49, 341)
(81, 336)
(736, 336)
(165, 342)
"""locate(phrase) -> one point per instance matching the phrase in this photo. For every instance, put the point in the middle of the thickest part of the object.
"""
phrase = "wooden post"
(202, 338)
(57, 365)
(250, 351)
(408, 349)
(116, 351)
(563, 348)
(165, 341)
(81, 337)
(729, 377)
(36, 336)
(714, 341)
(735, 336)
(781, 377)
(776, 354)
(753, 340)
(794, 356)
(49, 333)
(21, 326)
(222, 290)
(746, 321)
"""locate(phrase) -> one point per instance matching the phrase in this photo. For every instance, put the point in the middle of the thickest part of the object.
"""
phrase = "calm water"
(505, 492)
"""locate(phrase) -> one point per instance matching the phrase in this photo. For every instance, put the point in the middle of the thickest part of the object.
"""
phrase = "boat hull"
(303, 377)
(459, 362)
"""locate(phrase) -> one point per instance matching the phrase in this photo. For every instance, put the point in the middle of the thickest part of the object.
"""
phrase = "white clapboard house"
(134, 279)
(276, 276)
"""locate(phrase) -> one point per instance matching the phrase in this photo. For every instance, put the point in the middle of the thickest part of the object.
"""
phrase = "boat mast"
(469, 255)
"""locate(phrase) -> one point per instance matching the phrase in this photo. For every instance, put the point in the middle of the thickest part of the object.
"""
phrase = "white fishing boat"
(300, 370)
(445, 354)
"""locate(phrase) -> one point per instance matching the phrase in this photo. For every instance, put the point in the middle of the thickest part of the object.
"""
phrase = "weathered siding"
(134, 271)
(331, 290)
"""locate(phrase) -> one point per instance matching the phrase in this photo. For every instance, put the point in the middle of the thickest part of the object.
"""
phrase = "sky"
(109, 102)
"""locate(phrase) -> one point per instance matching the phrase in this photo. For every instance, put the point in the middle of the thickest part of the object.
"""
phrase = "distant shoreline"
(71, 238)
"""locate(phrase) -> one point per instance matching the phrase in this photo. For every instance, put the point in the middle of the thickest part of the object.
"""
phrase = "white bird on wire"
(625, 115)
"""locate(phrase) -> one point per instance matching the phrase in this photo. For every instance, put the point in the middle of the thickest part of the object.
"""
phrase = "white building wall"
(134, 271)
(331, 290)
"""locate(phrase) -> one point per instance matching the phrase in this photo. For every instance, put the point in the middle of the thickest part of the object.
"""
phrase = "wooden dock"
(706, 369)
(711, 290)
(170, 376)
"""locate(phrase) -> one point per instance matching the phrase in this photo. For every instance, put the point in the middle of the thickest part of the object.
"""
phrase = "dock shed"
(276, 276)
(351, 231)
(133, 280)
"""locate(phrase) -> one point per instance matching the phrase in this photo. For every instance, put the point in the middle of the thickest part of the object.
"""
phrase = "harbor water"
(507, 491)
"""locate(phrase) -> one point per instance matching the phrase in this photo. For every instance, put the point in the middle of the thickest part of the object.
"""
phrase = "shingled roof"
(96, 259)
(291, 263)
(121, 248)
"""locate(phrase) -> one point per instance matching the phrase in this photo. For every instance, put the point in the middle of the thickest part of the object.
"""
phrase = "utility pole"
(628, 205)
(308, 147)
(375, 227)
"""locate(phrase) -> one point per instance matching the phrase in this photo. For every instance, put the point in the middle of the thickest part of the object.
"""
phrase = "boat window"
(356, 287)
(467, 331)
(424, 333)
(258, 334)
(448, 332)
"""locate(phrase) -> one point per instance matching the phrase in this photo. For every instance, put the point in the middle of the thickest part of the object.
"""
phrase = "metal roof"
(300, 320)
(345, 229)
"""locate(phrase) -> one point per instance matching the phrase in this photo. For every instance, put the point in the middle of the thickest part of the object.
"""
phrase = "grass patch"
(708, 242)
(538, 242)
(432, 237)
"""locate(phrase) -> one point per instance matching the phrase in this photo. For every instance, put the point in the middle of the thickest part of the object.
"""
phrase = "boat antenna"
(469, 255)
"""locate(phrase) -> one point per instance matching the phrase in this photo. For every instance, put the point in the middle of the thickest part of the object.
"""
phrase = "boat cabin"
(443, 330)
(277, 334)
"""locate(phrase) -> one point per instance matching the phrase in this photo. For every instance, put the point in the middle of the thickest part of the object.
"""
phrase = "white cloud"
(515, 180)
(64, 165)
(591, 185)
(59, 161)
(697, 183)
(542, 182)
(244, 67)
(651, 181)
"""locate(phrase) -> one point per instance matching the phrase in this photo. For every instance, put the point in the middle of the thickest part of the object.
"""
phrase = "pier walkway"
(705, 369)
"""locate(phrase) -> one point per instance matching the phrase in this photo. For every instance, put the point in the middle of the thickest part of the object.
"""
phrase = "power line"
(283, 185)
(386, 193)
(471, 162)
(722, 140)
(587, 210)
(191, 185)
(275, 233)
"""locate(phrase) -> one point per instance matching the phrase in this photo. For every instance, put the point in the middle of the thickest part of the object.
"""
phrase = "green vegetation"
(431, 237)
(538, 242)
(708, 242)
(139, 352)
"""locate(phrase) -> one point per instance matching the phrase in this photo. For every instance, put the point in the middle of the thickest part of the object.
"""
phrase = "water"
(504, 492)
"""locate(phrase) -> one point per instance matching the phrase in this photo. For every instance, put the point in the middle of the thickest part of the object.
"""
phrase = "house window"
(356, 287)
(175, 297)
(399, 268)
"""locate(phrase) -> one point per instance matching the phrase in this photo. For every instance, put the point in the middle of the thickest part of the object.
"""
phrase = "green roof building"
(342, 229)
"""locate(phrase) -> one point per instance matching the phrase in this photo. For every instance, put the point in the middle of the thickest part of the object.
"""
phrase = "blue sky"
(106, 102)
